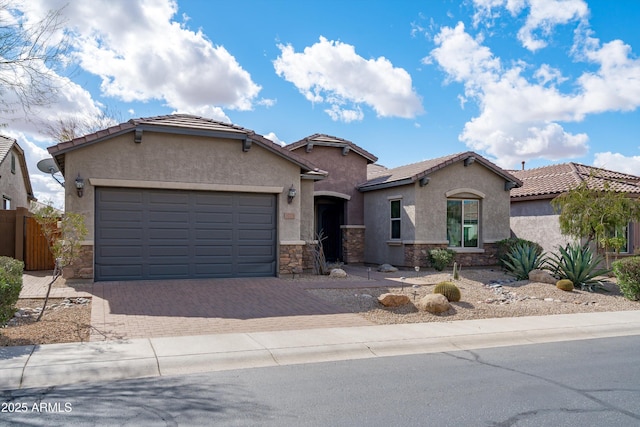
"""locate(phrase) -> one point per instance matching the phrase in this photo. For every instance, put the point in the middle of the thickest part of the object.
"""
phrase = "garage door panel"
(155, 234)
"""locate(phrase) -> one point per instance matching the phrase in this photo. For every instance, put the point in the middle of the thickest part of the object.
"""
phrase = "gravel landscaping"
(485, 294)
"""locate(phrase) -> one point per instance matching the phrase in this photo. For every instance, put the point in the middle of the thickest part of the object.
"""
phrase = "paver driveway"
(144, 309)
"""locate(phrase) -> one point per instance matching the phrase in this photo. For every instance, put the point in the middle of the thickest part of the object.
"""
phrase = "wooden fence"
(21, 238)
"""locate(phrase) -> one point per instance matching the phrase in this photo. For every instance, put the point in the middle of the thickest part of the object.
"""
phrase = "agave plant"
(580, 265)
(522, 259)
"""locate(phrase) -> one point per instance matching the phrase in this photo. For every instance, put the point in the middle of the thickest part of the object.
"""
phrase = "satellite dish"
(49, 166)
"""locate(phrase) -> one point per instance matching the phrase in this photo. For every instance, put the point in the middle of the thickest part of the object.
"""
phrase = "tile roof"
(380, 177)
(180, 123)
(550, 181)
(5, 146)
(328, 140)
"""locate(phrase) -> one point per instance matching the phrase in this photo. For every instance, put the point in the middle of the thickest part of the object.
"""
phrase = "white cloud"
(332, 72)
(142, 53)
(520, 119)
(543, 16)
(618, 162)
(273, 137)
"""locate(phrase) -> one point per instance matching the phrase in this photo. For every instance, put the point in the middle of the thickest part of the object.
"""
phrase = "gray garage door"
(170, 234)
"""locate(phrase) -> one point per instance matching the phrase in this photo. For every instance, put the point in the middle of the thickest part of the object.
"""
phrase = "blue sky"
(541, 81)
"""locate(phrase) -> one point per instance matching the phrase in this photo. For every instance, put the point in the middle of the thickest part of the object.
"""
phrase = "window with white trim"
(396, 218)
(13, 163)
(622, 233)
(463, 223)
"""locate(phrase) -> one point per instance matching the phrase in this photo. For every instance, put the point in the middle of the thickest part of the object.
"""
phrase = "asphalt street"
(593, 382)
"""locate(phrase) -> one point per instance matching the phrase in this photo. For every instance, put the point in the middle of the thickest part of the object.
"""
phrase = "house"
(532, 216)
(338, 204)
(460, 202)
(15, 185)
(181, 196)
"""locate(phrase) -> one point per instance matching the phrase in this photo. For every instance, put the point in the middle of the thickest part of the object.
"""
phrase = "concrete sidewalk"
(57, 364)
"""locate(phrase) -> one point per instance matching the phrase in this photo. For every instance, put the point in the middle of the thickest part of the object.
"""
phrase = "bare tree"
(66, 129)
(29, 56)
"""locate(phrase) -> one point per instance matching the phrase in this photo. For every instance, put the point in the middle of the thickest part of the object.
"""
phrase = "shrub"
(505, 247)
(449, 290)
(627, 272)
(441, 258)
(10, 286)
(580, 265)
(523, 258)
(565, 285)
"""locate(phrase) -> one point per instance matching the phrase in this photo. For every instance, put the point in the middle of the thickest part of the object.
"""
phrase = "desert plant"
(627, 273)
(449, 290)
(441, 258)
(456, 271)
(505, 247)
(10, 287)
(523, 258)
(564, 285)
(63, 235)
(579, 264)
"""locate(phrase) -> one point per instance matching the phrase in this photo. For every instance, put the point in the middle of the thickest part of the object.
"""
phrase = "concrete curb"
(57, 364)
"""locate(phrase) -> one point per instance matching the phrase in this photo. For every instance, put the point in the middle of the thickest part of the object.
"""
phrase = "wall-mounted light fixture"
(291, 194)
(79, 185)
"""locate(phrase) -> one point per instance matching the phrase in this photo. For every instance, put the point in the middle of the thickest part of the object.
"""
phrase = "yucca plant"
(523, 258)
(579, 264)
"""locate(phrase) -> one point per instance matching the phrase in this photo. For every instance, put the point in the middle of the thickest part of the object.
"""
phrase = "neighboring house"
(460, 202)
(181, 196)
(532, 216)
(338, 205)
(15, 185)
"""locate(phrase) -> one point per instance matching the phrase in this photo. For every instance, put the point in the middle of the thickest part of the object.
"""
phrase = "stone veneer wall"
(291, 259)
(82, 267)
(353, 244)
(416, 255)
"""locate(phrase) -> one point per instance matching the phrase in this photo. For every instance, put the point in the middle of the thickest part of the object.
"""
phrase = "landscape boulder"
(387, 268)
(542, 277)
(338, 272)
(434, 303)
(393, 300)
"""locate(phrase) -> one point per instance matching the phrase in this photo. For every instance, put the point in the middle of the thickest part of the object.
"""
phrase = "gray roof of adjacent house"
(380, 177)
(6, 144)
(183, 124)
(331, 141)
(548, 182)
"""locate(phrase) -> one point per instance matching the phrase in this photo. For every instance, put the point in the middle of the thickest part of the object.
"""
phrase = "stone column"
(353, 243)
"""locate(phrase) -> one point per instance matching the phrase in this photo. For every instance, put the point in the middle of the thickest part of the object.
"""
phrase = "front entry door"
(330, 216)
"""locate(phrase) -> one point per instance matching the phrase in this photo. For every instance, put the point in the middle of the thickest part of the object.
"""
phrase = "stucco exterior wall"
(12, 184)
(431, 202)
(379, 247)
(424, 215)
(345, 173)
(536, 220)
(165, 160)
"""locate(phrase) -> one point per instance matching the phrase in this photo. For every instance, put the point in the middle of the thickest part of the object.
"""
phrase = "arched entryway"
(330, 215)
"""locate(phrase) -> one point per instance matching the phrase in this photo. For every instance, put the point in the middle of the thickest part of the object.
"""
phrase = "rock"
(434, 303)
(548, 299)
(338, 272)
(542, 277)
(393, 300)
(387, 268)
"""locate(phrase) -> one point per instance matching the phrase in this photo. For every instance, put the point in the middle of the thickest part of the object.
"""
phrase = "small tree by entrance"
(64, 234)
(594, 214)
